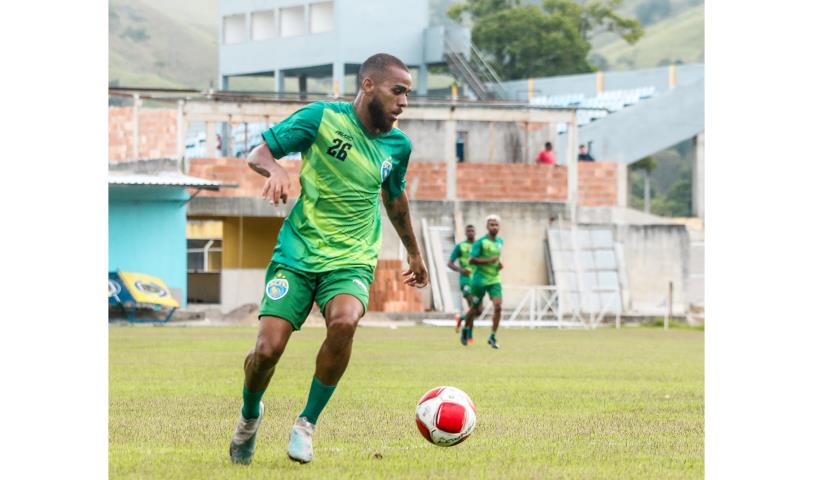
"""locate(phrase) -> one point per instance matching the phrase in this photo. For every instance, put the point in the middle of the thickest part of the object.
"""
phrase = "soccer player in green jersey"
(328, 245)
(462, 251)
(485, 257)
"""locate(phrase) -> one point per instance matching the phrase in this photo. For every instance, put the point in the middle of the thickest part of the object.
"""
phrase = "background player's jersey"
(336, 220)
(462, 251)
(486, 274)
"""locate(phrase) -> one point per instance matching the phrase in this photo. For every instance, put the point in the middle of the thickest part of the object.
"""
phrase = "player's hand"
(499, 265)
(277, 186)
(415, 275)
(466, 272)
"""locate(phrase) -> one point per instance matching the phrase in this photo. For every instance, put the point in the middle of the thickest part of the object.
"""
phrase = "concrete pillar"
(599, 82)
(225, 129)
(211, 139)
(180, 136)
(647, 190)
(423, 79)
(622, 184)
(279, 81)
(303, 86)
(672, 76)
(338, 79)
(572, 161)
(531, 89)
(136, 105)
(450, 157)
(699, 177)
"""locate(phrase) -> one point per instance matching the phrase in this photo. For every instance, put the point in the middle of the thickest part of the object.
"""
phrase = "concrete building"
(315, 38)
(147, 223)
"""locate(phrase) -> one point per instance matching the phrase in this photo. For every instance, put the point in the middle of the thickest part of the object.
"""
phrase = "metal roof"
(170, 179)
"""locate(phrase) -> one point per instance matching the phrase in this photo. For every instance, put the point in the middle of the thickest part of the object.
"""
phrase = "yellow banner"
(148, 289)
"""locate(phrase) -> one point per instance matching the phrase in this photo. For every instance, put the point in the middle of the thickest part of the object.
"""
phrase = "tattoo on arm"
(398, 211)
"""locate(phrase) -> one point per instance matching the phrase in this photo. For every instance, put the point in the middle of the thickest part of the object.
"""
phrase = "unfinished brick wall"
(236, 171)
(514, 181)
(598, 183)
(389, 294)
(157, 133)
(475, 181)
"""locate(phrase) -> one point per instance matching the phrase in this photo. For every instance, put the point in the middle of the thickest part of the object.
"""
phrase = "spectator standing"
(546, 155)
(584, 155)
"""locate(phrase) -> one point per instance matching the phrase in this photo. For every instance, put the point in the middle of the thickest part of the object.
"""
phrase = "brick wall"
(157, 133)
(389, 294)
(475, 181)
(237, 171)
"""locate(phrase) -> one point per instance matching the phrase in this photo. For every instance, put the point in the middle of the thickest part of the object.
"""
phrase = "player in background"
(328, 245)
(461, 253)
(485, 257)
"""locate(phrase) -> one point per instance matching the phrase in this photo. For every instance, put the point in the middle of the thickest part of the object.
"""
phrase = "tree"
(523, 42)
(646, 165)
(528, 40)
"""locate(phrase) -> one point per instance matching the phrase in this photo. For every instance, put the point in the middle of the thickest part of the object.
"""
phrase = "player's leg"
(285, 305)
(465, 291)
(343, 297)
(477, 292)
(495, 292)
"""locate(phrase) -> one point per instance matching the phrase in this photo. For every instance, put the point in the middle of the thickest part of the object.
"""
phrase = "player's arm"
(398, 211)
(455, 255)
(278, 185)
(476, 259)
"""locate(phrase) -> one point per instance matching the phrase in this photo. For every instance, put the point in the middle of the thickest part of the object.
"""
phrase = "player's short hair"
(549, 145)
(493, 217)
(469, 226)
(378, 64)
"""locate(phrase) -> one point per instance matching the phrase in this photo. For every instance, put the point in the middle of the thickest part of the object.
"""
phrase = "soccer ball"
(445, 416)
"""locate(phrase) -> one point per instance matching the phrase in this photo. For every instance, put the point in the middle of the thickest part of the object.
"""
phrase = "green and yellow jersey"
(488, 273)
(336, 221)
(462, 251)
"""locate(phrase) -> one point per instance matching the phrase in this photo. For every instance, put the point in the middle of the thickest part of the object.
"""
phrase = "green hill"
(162, 44)
(173, 43)
(677, 39)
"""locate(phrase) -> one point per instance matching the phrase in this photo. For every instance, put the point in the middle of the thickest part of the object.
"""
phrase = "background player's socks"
(317, 399)
(251, 403)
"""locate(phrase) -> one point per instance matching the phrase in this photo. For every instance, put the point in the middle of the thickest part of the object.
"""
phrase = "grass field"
(550, 404)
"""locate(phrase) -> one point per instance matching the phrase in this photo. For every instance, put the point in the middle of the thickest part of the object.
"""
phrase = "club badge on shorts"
(386, 168)
(277, 287)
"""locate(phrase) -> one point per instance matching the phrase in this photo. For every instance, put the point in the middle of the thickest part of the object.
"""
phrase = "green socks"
(251, 403)
(317, 399)
(468, 333)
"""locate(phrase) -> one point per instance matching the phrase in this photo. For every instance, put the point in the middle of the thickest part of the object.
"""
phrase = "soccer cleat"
(300, 443)
(457, 319)
(492, 340)
(464, 337)
(244, 440)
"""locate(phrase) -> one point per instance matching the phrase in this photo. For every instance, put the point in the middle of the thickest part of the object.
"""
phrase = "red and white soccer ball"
(445, 416)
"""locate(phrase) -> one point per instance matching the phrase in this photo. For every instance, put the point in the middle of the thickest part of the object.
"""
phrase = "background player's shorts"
(465, 285)
(479, 291)
(290, 293)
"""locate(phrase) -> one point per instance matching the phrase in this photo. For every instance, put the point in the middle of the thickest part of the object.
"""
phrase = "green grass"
(550, 404)
(677, 38)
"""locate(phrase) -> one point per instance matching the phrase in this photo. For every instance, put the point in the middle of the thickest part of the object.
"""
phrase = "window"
(292, 21)
(321, 17)
(262, 25)
(204, 255)
(234, 29)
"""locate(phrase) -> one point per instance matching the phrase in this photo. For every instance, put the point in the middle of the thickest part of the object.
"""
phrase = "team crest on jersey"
(386, 168)
(277, 287)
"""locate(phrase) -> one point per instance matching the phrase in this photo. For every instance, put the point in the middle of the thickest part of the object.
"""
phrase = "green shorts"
(465, 285)
(290, 293)
(478, 292)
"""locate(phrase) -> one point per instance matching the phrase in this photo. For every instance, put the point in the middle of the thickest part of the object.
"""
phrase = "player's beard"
(378, 116)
